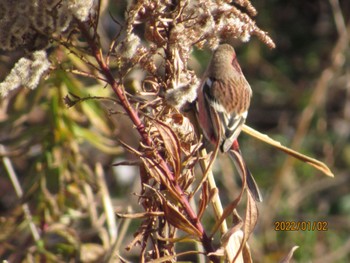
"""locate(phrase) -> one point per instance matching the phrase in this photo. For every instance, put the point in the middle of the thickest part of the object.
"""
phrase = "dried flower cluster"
(26, 72)
(168, 149)
(172, 29)
(29, 26)
(143, 79)
(189, 23)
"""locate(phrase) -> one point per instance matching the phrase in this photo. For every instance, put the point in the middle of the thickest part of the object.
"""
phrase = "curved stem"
(118, 90)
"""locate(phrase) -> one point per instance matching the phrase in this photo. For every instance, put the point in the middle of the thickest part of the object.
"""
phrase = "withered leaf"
(178, 219)
(227, 211)
(251, 217)
(203, 200)
(289, 256)
(171, 144)
(306, 159)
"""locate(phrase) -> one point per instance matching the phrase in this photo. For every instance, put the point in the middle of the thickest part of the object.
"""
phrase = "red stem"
(147, 139)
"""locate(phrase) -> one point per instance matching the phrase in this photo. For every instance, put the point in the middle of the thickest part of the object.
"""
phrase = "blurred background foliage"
(63, 156)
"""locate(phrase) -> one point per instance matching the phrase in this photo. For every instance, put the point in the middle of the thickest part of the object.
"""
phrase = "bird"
(223, 102)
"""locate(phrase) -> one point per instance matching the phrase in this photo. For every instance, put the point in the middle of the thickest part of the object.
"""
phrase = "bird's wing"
(230, 122)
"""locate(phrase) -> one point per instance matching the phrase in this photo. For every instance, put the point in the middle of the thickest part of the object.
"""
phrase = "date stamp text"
(301, 226)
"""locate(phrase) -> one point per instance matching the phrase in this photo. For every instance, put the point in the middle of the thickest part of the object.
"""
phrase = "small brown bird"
(223, 103)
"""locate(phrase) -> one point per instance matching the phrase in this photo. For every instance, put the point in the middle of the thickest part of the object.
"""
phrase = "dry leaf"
(247, 256)
(177, 218)
(227, 211)
(203, 200)
(311, 161)
(289, 256)
(172, 146)
(252, 215)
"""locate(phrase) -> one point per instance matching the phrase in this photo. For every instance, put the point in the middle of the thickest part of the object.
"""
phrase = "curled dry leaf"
(151, 168)
(203, 200)
(251, 218)
(177, 218)
(236, 229)
(247, 255)
(177, 143)
(229, 210)
(231, 241)
(184, 130)
(171, 145)
(289, 256)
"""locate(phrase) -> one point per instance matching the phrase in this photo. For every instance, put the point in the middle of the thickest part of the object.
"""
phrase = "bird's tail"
(244, 172)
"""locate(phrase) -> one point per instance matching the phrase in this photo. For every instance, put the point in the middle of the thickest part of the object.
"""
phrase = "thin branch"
(117, 88)
(84, 74)
(18, 189)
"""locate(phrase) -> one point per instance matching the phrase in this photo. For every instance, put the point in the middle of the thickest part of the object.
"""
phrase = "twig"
(107, 204)
(16, 185)
(231, 251)
(339, 18)
(124, 225)
(147, 140)
(206, 166)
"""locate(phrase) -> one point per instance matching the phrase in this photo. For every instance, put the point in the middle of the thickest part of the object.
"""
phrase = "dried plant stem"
(147, 140)
(338, 18)
(107, 204)
(19, 192)
(231, 251)
(216, 202)
(114, 251)
(199, 247)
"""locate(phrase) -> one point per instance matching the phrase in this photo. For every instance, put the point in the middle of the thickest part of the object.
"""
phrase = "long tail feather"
(244, 172)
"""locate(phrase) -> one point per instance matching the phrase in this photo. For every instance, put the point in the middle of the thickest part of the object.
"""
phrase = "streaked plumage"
(223, 103)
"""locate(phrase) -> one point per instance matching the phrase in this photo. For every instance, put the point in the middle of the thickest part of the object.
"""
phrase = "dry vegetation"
(103, 161)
